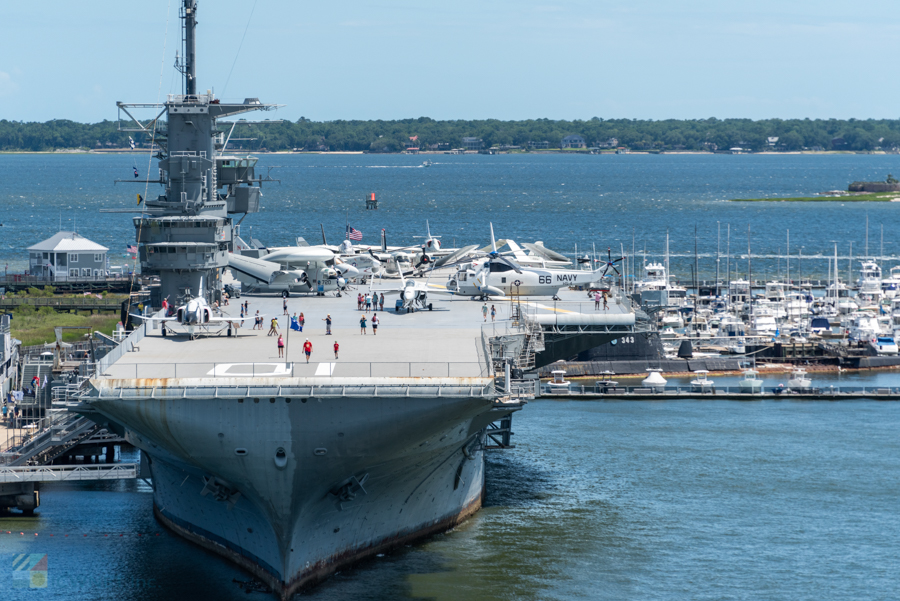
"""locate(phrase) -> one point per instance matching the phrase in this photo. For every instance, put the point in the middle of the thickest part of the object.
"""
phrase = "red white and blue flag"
(131, 249)
(353, 234)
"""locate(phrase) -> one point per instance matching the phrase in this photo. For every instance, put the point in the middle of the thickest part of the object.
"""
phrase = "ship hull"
(292, 491)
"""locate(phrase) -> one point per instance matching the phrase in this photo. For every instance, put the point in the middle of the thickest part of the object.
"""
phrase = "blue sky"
(463, 59)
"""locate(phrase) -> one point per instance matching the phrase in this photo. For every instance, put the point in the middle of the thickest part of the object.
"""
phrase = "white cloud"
(7, 86)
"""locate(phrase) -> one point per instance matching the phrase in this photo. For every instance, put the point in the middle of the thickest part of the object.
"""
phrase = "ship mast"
(186, 233)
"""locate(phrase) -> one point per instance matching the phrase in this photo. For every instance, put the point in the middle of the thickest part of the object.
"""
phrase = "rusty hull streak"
(324, 568)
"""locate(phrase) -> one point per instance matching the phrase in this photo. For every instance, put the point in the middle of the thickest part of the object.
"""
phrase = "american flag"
(353, 234)
(131, 249)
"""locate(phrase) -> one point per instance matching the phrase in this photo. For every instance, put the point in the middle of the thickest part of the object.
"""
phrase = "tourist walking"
(273, 330)
(359, 301)
(493, 313)
(257, 324)
(362, 325)
(368, 302)
(336, 347)
(284, 306)
(280, 346)
(381, 302)
(596, 301)
(605, 297)
(301, 320)
(327, 321)
(307, 349)
(375, 322)
(484, 311)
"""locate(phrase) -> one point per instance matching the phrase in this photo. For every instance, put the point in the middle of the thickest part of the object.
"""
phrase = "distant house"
(610, 143)
(67, 255)
(838, 143)
(472, 143)
(772, 140)
(539, 145)
(573, 141)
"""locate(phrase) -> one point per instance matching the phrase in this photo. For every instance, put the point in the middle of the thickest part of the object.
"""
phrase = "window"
(73, 273)
(86, 272)
(46, 256)
(98, 258)
(96, 273)
(73, 258)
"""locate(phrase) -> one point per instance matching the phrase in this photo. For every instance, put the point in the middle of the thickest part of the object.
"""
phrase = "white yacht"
(702, 383)
(890, 286)
(799, 380)
(838, 296)
(862, 326)
(751, 383)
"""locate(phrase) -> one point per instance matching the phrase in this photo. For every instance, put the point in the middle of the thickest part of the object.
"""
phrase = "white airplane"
(496, 275)
(412, 293)
(196, 312)
(314, 270)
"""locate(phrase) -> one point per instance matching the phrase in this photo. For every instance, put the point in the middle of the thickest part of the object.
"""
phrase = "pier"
(599, 391)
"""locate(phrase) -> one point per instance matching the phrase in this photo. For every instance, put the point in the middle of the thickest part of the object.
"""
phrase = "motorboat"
(885, 345)
(702, 383)
(558, 385)
(799, 380)
(750, 383)
(654, 380)
(863, 327)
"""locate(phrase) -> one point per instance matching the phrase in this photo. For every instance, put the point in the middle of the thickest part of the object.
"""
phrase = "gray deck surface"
(444, 342)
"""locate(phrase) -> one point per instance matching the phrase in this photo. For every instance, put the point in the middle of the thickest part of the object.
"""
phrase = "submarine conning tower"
(185, 234)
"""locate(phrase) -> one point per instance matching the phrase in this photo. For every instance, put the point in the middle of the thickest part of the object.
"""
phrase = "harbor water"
(562, 200)
(680, 499)
(601, 500)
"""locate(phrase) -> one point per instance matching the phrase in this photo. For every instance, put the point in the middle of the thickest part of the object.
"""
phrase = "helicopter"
(497, 275)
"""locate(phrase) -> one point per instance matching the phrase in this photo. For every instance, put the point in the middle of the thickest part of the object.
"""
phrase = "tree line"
(429, 134)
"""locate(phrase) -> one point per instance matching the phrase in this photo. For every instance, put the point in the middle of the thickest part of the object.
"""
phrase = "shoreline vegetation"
(733, 136)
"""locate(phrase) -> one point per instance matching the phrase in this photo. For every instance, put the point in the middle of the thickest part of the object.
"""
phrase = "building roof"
(67, 242)
(573, 137)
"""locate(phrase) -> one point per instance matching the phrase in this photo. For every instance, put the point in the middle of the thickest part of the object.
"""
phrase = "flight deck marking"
(325, 369)
(250, 370)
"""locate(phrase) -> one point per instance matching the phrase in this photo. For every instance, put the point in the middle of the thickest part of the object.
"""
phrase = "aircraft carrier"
(293, 468)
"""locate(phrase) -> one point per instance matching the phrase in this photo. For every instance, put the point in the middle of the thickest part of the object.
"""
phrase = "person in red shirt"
(336, 347)
(307, 348)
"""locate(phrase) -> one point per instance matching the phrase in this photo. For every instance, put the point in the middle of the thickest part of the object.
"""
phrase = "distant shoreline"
(108, 151)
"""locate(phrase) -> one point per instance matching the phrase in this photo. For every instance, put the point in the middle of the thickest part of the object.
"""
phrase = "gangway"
(68, 473)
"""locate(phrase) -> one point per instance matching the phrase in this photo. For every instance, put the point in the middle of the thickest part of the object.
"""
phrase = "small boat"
(654, 381)
(559, 385)
(750, 383)
(702, 383)
(799, 380)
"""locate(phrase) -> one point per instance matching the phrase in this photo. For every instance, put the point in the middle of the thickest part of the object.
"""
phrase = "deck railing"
(297, 369)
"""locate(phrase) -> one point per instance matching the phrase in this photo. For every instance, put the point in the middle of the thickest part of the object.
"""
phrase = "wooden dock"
(67, 304)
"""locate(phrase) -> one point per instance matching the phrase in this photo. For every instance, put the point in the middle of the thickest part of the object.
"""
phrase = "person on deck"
(307, 349)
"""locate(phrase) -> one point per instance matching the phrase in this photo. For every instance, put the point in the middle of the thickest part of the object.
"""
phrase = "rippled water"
(601, 500)
(563, 200)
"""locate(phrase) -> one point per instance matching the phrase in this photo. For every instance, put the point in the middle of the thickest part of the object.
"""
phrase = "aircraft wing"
(232, 319)
(455, 256)
(541, 250)
(259, 269)
(147, 318)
